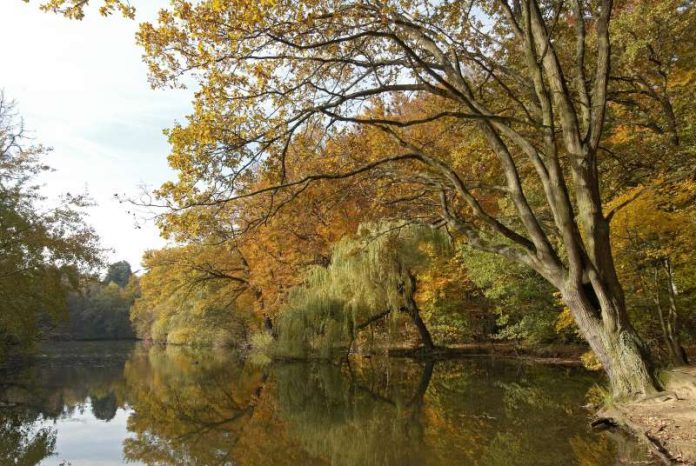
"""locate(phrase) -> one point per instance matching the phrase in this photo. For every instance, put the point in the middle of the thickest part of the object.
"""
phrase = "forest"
(370, 177)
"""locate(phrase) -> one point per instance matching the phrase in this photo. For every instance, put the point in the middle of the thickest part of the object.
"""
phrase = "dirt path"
(666, 422)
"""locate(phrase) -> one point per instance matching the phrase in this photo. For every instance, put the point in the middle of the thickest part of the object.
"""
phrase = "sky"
(82, 89)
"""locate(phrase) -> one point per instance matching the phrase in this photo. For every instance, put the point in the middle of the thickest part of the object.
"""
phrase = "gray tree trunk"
(623, 354)
(670, 325)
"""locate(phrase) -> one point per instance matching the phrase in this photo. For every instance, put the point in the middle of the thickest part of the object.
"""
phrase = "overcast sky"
(82, 89)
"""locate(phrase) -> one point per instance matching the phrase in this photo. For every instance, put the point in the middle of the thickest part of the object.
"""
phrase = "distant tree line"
(100, 309)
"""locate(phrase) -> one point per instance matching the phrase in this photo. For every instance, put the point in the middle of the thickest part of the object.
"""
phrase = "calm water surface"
(122, 403)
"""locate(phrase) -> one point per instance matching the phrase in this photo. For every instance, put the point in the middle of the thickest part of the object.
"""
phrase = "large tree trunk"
(625, 357)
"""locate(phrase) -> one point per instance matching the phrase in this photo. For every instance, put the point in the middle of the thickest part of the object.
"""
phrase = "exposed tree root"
(666, 422)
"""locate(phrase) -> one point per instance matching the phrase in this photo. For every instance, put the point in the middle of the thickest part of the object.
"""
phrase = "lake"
(109, 403)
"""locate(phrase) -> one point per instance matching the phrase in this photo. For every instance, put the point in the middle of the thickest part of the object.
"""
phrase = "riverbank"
(556, 354)
(666, 422)
(543, 354)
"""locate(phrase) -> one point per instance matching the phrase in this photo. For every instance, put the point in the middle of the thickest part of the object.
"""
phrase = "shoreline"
(665, 422)
(544, 354)
(564, 355)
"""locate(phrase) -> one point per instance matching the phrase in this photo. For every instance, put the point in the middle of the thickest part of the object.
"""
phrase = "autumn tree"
(75, 9)
(654, 66)
(654, 239)
(452, 305)
(195, 295)
(278, 234)
(650, 129)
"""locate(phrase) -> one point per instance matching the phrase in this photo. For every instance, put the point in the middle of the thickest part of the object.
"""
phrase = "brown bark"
(411, 308)
(425, 336)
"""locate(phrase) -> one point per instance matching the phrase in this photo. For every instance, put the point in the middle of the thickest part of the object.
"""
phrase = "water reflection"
(66, 381)
(211, 408)
(189, 407)
(20, 442)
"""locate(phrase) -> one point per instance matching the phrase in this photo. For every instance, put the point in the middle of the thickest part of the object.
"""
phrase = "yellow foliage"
(590, 361)
(75, 9)
(565, 320)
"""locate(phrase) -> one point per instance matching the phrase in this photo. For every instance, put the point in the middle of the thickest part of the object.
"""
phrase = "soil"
(667, 421)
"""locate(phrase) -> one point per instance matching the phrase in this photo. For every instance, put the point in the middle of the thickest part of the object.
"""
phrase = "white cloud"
(82, 89)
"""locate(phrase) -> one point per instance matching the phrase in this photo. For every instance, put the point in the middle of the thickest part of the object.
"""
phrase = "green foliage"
(524, 302)
(119, 273)
(102, 310)
(369, 275)
(455, 309)
(43, 249)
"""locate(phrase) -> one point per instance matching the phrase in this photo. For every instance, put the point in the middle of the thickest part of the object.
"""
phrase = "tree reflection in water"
(211, 408)
(67, 379)
(21, 443)
(363, 412)
(188, 406)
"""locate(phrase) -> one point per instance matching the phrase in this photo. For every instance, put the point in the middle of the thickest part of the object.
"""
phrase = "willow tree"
(528, 77)
(371, 276)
